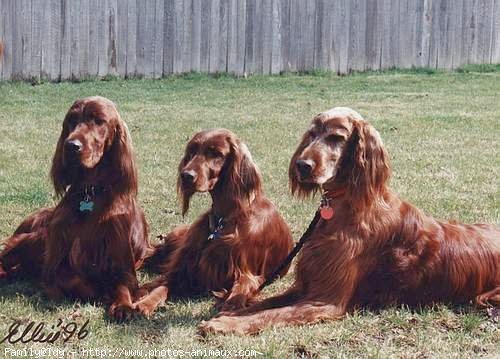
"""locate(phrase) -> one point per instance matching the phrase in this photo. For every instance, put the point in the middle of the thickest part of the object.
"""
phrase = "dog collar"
(325, 209)
(216, 225)
(89, 193)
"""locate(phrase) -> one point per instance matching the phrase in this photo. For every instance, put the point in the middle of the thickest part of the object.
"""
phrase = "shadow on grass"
(176, 313)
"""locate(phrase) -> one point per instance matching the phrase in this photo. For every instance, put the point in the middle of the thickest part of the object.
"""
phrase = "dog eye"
(98, 121)
(213, 153)
(335, 138)
(72, 122)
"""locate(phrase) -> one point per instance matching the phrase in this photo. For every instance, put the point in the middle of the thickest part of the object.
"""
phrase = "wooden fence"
(74, 39)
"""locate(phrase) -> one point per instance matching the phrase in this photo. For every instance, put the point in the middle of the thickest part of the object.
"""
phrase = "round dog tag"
(326, 212)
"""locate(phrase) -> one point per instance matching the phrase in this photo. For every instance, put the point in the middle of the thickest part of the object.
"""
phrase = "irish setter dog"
(89, 245)
(232, 247)
(370, 248)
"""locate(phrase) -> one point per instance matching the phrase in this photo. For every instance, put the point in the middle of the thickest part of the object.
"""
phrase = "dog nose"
(74, 145)
(188, 177)
(304, 167)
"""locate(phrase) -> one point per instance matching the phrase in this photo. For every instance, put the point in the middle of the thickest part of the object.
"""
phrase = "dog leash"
(325, 211)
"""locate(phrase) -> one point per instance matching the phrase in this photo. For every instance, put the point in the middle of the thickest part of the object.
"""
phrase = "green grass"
(441, 130)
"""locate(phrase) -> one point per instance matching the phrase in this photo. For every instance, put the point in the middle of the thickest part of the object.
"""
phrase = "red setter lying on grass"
(376, 250)
(91, 243)
(232, 247)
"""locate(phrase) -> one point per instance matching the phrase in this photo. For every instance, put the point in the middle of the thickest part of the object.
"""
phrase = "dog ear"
(366, 164)
(59, 172)
(241, 174)
(122, 158)
(301, 190)
(183, 194)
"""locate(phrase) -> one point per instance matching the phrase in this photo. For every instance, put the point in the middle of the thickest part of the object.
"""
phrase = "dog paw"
(210, 327)
(121, 312)
(223, 325)
(142, 309)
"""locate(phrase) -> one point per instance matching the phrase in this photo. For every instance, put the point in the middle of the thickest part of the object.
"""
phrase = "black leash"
(294, 251)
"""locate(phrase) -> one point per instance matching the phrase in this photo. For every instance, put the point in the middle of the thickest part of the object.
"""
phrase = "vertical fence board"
(131, 52)
(205, 36)
(223, 16)
(285, 35)
(267, 33)
(484, 33)
(292, 60)
(168, 37)
(84, 45)
(213, 66)
(276, 37)
(340, 42)
(24, 29)
(158, 38)
(93, 65)
(3, 4)
(51, 51)
(74, 62)
(187, 36)
(372, 34)
(495, 28)
(196, 36)
(121, 42)
(249, 37)
(241, 36)
(426, 33)
(258, 38)
(103, 36)
(37, 40)
(232, 37)
(66, 41)
(456, 33)
(112, 37)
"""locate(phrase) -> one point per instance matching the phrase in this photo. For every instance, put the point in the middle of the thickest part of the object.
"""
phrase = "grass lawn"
(441, 131)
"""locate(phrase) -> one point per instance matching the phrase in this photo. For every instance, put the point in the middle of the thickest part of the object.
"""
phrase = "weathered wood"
(223, 19)
(196, 35)
(456, 18)
(131, 46)
(241, 38)
(83, 49)
(232, 37)
(112, 12)
(276, 37)
(426, 34)
(258, 42)
(187, 38)
(121, 43)
(340, 41)
(267, 34)
(2, 39)
(64, 39)
(495, 30)
(168, 38)
(74, 62)
(93, 66)
(285, 35)
(213, 65)
(205, 36)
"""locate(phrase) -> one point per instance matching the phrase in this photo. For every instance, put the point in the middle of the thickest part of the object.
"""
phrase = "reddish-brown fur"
(377, 250)
(254, 240)
(87, 255)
